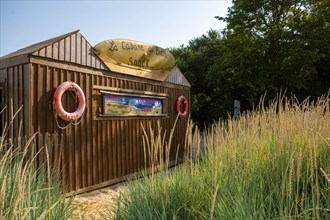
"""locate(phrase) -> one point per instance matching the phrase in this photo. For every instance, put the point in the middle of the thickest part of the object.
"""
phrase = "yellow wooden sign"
(136, 54)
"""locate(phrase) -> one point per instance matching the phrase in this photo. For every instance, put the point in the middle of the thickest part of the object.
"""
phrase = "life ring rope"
(179, 101)
(71, 123)
(58, 108)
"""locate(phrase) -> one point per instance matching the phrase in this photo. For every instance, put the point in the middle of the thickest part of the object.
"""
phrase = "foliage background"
(267, 47)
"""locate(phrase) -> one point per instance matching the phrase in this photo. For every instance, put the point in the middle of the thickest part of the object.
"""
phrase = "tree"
(267, 47)
(194, 61)
(317, 32)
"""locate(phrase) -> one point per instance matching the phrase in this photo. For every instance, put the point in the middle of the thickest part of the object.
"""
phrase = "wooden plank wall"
(176, 77)
(98, 151)
(72, 49)
(15, 90)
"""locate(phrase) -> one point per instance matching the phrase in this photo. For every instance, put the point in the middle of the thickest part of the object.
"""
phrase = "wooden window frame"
(103, 90)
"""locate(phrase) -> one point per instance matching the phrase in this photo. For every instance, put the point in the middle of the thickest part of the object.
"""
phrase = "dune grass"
(28, 192)
(271, 163)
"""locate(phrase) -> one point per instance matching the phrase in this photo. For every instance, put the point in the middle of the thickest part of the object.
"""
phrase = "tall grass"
(271, 163)
(28, 191)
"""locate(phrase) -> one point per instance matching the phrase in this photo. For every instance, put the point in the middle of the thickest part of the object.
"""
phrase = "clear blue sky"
(163, 23)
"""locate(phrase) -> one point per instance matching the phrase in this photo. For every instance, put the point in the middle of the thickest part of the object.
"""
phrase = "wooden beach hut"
(102, 147)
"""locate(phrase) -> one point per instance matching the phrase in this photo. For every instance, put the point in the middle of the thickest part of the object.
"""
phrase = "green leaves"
(270, 40)
(195, 61)
(267, 46)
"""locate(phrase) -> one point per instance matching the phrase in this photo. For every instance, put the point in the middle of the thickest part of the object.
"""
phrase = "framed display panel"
(129, 103)
(132, 105)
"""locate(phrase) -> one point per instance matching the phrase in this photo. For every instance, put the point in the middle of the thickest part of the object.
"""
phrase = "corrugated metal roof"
(34, 47)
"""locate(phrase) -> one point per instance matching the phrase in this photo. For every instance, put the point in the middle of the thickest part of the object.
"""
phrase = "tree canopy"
(267, 46)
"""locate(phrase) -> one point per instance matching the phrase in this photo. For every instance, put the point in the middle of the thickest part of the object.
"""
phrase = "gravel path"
(98, 204)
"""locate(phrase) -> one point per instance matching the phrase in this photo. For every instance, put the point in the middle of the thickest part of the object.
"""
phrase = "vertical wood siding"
(15, 92)
(73, 49)
(98, 150)
(176, 77)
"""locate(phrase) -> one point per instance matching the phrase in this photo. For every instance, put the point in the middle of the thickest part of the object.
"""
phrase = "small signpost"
(237, 108)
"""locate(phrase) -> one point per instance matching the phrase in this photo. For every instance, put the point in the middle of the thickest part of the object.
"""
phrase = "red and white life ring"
(59, 110)
(178, 106)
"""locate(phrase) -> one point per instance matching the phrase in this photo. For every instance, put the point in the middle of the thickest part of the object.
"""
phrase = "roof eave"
(34, 47)
(13, 61)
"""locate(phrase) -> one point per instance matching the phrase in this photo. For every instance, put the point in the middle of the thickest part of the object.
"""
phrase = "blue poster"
(131, 105)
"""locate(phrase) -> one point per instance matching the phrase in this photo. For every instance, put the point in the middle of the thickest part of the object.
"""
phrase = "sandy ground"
(98, 204)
